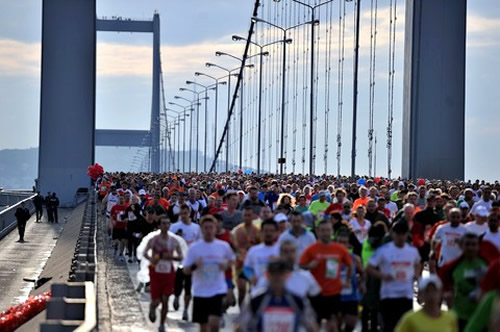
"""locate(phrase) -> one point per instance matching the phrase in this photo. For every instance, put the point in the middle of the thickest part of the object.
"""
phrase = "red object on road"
(16, 316)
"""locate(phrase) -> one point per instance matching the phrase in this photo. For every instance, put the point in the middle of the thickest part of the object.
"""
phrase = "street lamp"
(197, 74)
(262, 54)
(197, 123)
(185, 108)
(283, 84)
(229, 73)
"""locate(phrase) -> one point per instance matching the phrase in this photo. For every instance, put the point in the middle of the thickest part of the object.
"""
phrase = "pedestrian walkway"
(22, 262)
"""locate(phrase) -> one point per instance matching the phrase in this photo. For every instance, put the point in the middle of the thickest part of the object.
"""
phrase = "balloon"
(377, 180)
(361, 182)
(240, 171)
(421, 182)
(248, 171)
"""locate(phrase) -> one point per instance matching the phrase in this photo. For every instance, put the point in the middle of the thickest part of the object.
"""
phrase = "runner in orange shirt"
(325, 259)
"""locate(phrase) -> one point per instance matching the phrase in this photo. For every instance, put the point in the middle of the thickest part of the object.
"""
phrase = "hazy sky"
(191, 31)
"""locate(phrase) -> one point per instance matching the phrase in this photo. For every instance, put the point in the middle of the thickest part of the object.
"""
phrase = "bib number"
(210, 271)
(163, 266)
(332, 268)
(278, 320)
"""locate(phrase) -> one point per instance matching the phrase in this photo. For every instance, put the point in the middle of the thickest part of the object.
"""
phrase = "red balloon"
(377, 180)
(421, 182)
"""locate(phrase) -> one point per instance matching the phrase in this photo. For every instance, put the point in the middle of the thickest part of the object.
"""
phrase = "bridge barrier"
(72, 307)
(8, 219)
(83, 267)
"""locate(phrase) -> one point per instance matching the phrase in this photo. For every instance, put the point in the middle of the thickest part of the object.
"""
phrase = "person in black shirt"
(50, 214)
(38, 201)
(54, 204)
(374, 215)
(22, 216)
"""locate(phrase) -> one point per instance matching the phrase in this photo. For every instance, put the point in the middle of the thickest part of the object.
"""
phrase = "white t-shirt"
(361, 232)
(112, 200)
(493, 238)
(209, 280)
(400, 263)
(449, 238)
(300, 283)
(392, 207)
(196, 207)
(258, 257)
(190, 233)
(303, 241)
(476, 228)
(479, 203)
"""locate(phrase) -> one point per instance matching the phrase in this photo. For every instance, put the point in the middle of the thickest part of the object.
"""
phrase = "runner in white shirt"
(449, 235)
(390, 205)
(110, 200)
(359, 224)
(479, 226)
(485, 200)
(191, 233)
(299, 282)
(297, 234)
(493, 235)
(259, 255)
(207, 260)
(398, 266)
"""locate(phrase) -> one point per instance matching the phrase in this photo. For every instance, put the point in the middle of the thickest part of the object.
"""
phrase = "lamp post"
(316, 22)
(283, 83)
(185, 108)
(197, 120)
(206, 87)
(175, 122)
(262, 54)
(216, 104)
(229, 72)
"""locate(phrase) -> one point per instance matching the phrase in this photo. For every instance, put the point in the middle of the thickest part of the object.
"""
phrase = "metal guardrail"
(8, 219)
(72, 307)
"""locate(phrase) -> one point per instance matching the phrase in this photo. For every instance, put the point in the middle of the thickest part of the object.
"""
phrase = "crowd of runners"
(308, 253)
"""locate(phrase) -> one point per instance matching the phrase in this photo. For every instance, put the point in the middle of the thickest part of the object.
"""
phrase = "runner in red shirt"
(119, 223)
(161, 270)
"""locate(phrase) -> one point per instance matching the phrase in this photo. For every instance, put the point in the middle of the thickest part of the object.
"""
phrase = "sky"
(191, 31)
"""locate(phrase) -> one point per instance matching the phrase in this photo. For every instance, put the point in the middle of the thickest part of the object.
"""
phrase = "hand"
(223, 266)
(387, 277)
(199, 262)
(313, 264)
(154, 259)
(167, 255)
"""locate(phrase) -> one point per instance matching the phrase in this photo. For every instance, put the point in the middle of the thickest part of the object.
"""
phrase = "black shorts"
(182, 281)
(326, 306)
(203, 307)
(119, 234)
(349, 308)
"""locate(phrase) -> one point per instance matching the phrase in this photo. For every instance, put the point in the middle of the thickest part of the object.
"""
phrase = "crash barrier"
(83, 267)
(8, 219)
(72, 307)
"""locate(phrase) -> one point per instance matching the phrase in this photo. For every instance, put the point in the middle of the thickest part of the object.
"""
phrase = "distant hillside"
(18, 168)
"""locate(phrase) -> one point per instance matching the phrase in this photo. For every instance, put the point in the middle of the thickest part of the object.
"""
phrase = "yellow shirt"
(419, 321)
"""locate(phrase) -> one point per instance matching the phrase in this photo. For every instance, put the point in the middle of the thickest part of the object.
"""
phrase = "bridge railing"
(8, 219)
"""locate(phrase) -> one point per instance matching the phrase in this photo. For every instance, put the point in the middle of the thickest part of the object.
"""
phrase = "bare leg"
(242, 290)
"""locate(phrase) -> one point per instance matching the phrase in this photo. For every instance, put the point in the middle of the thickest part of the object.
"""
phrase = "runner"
(448, 236)
(207, 260)
(161, 270)
(119, 223)
(244, 236)
(110, 200)
(277, 309)
(297, 234)
(191, 233)
(325, 260)
(359, 224)
(430, 317)
(260, 255)
(396, 264)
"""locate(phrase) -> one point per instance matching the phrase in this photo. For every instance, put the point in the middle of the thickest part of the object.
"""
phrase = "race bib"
(163, 266)
(210, 271)
(402, 272)
(332, 268)
(276, 319)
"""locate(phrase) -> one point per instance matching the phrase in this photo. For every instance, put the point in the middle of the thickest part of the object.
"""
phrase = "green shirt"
(484, 312)
(317, 206)
(465, 278)
(301, 209)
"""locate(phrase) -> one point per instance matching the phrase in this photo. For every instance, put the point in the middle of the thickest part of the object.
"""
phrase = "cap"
(401, 184)
(322, 193)
(142, 192)
(280, 217)
(308, 218)
(482, 211)
(464, 205)
(423, 282)
(120, 192)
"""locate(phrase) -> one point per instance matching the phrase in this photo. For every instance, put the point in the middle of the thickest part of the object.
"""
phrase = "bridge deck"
(28, 260)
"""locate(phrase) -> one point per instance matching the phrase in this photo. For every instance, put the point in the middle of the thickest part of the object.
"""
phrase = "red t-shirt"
(333, 207)
(331, 257)
(116, 216)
